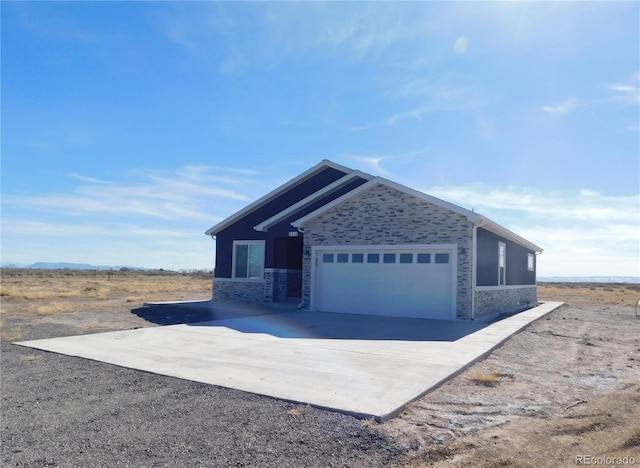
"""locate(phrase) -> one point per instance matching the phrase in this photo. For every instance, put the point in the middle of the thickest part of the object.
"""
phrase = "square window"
(357, 258)
(389, 258)
(373, 258)
(327, 258)
(406, 258)
(342, 258)
(248, 259)
(442, 258)
(423, 258)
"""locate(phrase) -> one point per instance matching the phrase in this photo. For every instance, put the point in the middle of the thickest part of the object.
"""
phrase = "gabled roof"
(305, 202)
(306, 175)
(472, 216)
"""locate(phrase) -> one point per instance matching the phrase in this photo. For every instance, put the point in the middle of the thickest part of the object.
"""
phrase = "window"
(357, 258)
(530, 262)
(442, 258)
(502, 263)
(389, 258)
(248, 259)
(406, 258)
(373, 258)
(424, 258)
(327, 258)
(343, 258)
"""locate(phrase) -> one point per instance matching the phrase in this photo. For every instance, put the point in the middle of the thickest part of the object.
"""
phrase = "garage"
(402, 281)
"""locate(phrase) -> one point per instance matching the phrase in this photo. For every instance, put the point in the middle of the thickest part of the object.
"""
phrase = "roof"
(306, 175)
(475, 218)
(305, 202)
(350, 175)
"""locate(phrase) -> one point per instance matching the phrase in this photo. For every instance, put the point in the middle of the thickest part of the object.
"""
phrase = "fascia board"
(472, 216)
(494, 227)
(276, 192)
(338, 184)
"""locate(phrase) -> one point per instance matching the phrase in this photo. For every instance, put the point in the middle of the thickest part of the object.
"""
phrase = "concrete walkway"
(361, 365)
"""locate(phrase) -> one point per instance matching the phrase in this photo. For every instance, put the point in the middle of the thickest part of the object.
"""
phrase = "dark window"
(343, 258)
(442, 258)
(389, 258)
(424, 258)
(357, 258)
(327, 258)
(406, 258)
(373, 258)
(249, 258)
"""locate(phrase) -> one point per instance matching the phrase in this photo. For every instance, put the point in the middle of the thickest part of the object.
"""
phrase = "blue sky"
(129, 128)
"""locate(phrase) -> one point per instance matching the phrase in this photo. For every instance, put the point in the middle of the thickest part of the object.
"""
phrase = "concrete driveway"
(367, 366)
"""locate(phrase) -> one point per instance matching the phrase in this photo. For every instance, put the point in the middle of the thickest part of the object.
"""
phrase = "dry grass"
(485, 377)
(590, 293)
(13, 334)
(299, 410)
(47, 293)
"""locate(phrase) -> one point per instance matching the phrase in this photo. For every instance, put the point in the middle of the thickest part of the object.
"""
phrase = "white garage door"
(399, 282)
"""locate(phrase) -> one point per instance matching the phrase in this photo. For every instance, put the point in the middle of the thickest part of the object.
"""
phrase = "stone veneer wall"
(274, 288)
(386, 216)
(510, 299)
(241, 291)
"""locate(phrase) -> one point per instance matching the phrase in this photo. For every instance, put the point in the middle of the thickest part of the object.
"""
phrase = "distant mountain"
(589, 279)
(65, 266)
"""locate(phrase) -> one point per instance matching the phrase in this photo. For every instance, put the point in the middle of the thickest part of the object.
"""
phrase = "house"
(340, 240)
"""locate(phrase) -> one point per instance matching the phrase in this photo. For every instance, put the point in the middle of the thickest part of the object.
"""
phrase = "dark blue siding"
(279, 253)
(487, 253)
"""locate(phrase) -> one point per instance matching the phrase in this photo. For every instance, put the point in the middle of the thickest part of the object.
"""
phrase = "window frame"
(248, 243)
(531, 262)
(502, 263)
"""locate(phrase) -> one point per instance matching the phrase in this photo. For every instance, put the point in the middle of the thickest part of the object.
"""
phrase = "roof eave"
(327, 190)
(472, 216)
(325, 163)
(507, 234)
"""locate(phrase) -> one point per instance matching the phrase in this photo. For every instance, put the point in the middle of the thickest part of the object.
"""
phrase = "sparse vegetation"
(590, 293)
(47, 293)
(484, 376)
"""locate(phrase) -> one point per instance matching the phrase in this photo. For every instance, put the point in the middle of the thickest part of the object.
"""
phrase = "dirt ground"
(565, 391)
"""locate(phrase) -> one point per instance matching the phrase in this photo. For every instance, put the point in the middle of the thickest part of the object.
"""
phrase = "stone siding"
(241, 291)
(489, 302)
(278, 285)
(386, 216)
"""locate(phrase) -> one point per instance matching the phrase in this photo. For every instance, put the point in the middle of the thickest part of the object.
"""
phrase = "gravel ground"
(64, 411)
(567, 385)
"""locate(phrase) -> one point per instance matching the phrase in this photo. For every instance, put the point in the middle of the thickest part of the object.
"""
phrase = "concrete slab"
(366, 366)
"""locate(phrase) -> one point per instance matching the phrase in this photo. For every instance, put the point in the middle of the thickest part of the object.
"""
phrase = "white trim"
(305, 202)
(238, 280)
(274, 193)
(281, 270)
(473, 217)
(453, 248)
(510, 286)
(233, 256)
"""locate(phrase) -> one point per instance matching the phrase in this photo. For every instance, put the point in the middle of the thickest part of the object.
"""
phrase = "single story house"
(340, 240)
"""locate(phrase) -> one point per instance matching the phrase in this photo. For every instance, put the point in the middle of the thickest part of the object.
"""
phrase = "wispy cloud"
(187, 193)
(584, 233)
(627, 91)
(440, 95)
(624, 91)
(563, 107)
(88, 179)
(374, 163)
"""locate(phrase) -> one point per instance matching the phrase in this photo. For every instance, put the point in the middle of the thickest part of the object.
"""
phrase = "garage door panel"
(408, 289)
